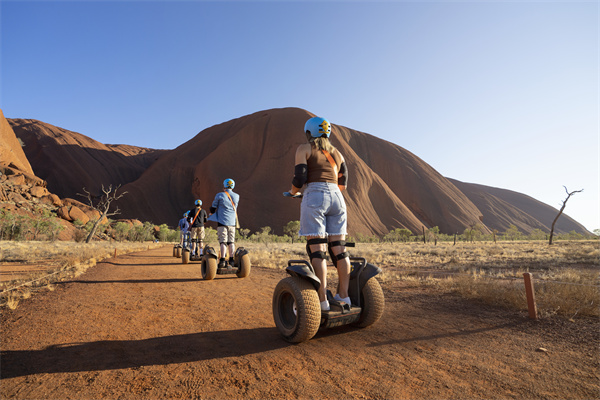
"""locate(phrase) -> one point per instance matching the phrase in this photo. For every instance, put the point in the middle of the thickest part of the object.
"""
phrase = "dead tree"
(102, 205)
(564, 204)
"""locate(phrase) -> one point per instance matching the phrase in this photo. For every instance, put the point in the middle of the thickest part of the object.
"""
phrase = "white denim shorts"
(323, 210)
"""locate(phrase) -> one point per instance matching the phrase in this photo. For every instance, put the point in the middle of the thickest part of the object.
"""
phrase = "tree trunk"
(95, 227)
(560, 212)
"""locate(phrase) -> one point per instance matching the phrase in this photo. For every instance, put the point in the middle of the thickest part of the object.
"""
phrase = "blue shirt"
(184, 225)
(225, 213)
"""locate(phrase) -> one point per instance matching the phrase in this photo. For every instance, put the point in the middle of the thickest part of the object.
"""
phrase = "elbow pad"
(300, 175)
(343, 175)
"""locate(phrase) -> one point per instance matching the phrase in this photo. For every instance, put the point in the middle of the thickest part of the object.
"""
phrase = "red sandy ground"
(144, 326)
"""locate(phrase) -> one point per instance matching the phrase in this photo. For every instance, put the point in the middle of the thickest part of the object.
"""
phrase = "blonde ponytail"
(322, 143)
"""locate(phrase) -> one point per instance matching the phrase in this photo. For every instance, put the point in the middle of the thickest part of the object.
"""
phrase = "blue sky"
(502, 93)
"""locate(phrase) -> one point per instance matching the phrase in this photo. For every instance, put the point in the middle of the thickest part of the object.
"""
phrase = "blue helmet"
(185, 214)
(228, 183)
(198, 202)
(318, 127)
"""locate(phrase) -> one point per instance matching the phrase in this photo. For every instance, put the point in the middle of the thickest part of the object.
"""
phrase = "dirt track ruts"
(145, 326)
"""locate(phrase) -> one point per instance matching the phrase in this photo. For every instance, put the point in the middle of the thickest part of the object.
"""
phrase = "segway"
(297, 309)
(241, 264)
(177, 249)
(186, 250)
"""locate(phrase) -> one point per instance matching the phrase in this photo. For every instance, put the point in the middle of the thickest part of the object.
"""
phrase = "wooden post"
(530, 295)
(424, 241)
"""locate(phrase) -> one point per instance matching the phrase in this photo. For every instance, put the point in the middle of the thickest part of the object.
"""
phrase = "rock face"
(69, 161)
(389, 187)
(24, 194)
(502, 208)
(11, 151)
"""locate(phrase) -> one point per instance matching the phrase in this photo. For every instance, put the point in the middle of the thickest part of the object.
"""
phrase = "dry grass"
(59, 261)
(566, 274)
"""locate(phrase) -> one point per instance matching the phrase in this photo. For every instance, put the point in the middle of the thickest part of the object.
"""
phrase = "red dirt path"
(144, 326)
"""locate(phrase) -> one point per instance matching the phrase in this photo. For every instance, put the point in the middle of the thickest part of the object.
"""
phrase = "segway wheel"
(244, 269)
(185, 256)
(296, 309)
(178, 255)
(373, 303)
(209, 268)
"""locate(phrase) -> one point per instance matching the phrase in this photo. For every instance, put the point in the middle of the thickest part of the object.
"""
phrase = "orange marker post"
(530, 295)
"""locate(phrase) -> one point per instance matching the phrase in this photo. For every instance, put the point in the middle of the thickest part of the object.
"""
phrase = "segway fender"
(361, 272)
(237, 258)
(209, 252)
(302, 269)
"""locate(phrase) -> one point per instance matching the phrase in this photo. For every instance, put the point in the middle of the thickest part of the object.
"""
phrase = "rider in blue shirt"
(224, 212)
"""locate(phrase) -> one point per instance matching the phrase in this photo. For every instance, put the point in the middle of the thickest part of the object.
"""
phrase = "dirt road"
(144, 326)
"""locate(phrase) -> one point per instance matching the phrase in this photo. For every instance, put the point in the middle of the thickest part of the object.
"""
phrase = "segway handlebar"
(296, 262)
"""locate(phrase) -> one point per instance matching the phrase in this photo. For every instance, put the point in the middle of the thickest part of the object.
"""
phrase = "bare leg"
(343, 267)
(231, 249)
(320, 267)
(223, 250)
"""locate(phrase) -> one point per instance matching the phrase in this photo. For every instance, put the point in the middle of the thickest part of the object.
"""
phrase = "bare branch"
(564, 204)
(103, 205)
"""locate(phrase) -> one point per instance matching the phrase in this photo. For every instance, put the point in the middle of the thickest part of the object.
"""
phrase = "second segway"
(241, 264)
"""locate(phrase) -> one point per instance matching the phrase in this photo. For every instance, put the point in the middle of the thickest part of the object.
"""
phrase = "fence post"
(530, 295)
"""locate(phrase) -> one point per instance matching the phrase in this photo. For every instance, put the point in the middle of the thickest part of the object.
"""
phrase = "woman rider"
(323, 210)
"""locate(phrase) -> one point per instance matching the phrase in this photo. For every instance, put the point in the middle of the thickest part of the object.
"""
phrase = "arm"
(300, 170)
(343, 174)
(215, 204)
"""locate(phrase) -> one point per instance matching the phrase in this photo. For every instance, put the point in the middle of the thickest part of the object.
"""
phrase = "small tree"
(291, 229)
(244, 232)
(264, 235)
(102, 205)
(564, 204)
(512, 233)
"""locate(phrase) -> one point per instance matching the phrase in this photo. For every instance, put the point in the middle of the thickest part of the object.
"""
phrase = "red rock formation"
(389, 187)
(502, 208)
(11, 151)
(69, 161)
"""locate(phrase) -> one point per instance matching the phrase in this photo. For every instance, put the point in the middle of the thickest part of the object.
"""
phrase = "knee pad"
(229, 243)
(316, 254)
(336, 257)
(193, 240)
